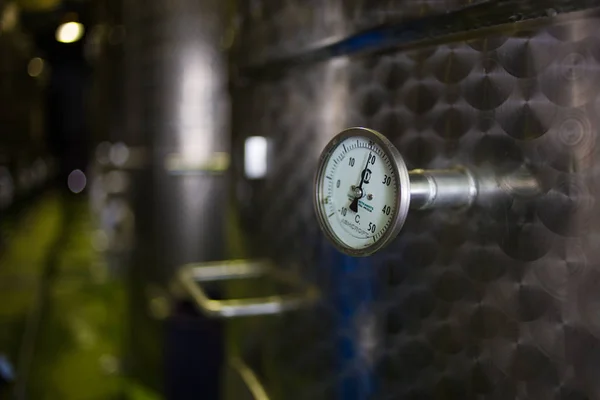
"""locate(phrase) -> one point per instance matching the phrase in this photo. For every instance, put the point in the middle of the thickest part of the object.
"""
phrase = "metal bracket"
(192, 276)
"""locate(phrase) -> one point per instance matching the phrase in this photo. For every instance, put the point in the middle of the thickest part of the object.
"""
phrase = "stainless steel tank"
(177, 112)
(496, 302)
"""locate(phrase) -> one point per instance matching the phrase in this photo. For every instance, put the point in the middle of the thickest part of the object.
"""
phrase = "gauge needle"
(354, 205)
(358, 190)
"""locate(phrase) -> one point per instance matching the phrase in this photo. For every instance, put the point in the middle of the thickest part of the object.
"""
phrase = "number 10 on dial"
(362, 191)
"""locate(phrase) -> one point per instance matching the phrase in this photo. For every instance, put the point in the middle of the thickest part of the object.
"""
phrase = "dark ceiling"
(40, 18)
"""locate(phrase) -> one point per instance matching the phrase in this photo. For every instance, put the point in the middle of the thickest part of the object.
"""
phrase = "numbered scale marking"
(361, 191)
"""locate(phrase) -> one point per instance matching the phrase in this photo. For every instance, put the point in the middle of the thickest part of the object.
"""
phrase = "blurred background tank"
(24, 152)
(177, 110)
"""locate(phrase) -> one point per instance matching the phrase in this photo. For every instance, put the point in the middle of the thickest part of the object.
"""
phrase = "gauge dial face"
(360, 191)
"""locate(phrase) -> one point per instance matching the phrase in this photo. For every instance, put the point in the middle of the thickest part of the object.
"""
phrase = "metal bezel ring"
(403, 188)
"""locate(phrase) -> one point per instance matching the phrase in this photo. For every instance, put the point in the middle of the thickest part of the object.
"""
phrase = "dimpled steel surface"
(276, 27)
(498, 302)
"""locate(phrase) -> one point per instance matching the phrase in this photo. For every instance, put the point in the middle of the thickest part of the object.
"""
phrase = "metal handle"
(192, 276)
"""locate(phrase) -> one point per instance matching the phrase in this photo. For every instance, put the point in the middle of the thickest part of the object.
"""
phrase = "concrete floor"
(61, 314)
(63, 310)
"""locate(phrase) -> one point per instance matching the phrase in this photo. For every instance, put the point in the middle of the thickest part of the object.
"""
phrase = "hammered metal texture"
(498, 302)
(271, 28)
(278, 214)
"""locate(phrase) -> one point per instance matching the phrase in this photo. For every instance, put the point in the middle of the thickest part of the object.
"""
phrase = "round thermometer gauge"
(362, 191)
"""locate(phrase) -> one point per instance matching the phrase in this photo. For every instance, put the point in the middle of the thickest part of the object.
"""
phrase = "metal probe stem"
(441, 188)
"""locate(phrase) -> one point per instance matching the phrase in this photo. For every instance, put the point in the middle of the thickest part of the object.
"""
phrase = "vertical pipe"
(353, 297)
